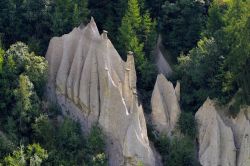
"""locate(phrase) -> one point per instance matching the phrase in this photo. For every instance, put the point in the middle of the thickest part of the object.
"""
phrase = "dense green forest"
(208, 42)
(32, 130)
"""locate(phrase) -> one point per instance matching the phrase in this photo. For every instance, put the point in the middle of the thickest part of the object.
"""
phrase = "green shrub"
(100, 160)
(187, 124)
(32, 155)
(96, 146)
(44, 131)
(176, 151)
(6, 146)
(238, 102)
(198, 74)
(95, 139)
(24, 119)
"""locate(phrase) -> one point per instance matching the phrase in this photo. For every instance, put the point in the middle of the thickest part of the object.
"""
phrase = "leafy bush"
(1, 60)
(19, 103)
(24, 119)
(66, 145)
(95, 139)
(176, 151)
(199, 74)
(100, 160)
(6, 146)
(187, 124)
(96, 146)
(33, 155)
(44, 131)
(237, 103)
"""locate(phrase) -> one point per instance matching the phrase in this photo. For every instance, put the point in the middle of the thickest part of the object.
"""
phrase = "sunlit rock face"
(223, 140)
(92, 84)
(241, 129)
(216, 142)
(165, 105)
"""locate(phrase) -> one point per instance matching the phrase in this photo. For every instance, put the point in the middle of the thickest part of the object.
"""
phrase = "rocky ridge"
(92, 84)
(223, 140)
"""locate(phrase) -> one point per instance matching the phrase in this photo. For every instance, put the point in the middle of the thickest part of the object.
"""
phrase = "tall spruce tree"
(137, 33)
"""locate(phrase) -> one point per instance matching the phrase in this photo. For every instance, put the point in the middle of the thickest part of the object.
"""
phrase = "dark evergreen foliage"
(210, 43)
(25, 119)
(218, 66)
(181, 23)
(37, 21)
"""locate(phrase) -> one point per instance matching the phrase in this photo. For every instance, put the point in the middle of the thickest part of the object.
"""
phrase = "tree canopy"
(209, 42)
(219, 66)
(181, 23)
(30, 132)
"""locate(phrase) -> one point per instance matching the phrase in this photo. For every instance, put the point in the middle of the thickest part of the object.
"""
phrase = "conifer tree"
(136, 23)
(27, 106)
(138, 34)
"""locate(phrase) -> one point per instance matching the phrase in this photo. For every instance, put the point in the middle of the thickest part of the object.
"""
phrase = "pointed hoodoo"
(105, 34)
(215, 138)
(92, 19)
(129, 58)
(93, 26)
(223, 140)
(165, 106)
(130, 67)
